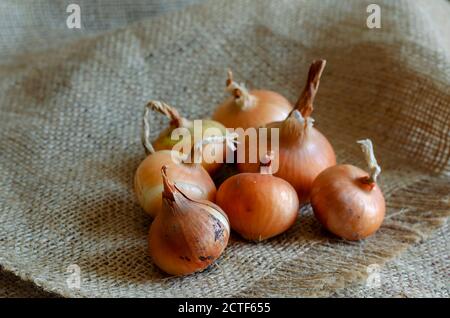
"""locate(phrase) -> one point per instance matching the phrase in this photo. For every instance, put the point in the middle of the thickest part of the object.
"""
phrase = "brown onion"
(255, 108)
(187, 235)
(303, 152)
(347, 200)
(192, 178)
(258, 205)
(214, 154)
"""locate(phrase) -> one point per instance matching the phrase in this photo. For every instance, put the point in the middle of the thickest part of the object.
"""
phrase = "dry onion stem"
(255, 108)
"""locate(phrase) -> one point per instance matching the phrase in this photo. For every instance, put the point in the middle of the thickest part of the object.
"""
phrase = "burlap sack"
(70, 127)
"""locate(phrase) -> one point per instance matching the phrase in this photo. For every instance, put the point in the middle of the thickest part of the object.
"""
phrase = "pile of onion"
(347, 200)
(255, 108)
(303, 152)
(293, 163)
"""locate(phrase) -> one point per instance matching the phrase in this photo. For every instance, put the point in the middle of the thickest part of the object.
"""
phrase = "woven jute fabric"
(71, 119)
(422, 271)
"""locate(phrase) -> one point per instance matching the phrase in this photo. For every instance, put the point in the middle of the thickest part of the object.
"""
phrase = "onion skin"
(312, 157)
(187, 235)
(175, 250)
(191, 178)
(214, 154)
(259, 206)
(301, 156)
(345, 204)
(267, 106)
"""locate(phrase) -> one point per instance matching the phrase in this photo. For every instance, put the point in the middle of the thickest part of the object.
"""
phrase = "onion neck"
(242, 97)
(374, 169)
(296, 127)
(169, 187)
(145, 138)
(367, 183)
(305, 102)
(171, 113)
(299, 120)
(172, 196)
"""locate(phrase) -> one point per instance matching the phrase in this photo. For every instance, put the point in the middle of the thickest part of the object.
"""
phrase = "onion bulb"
(303, 152)
(347, 200)
(258, 205)
(214, 154)
(188, 174)
(244, 109)
(187, 235)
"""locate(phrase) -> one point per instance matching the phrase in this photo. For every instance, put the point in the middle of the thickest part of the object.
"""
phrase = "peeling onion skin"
(191, 178)
(188, 235)
(268, 106)
(345, 204)
(259, 206)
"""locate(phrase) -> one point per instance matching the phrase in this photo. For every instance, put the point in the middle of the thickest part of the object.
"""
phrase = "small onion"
(258, 205)
(214, 153)
(255, 108)
(187, 235)
(347, 200)
(303, 152)
(192, 178)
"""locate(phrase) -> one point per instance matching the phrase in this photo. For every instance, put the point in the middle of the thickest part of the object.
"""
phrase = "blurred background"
(26, 27)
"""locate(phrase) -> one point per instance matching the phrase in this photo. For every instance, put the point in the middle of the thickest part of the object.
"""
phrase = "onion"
(258, 205)
(187, 235)
(244, 109)
(347, 200)
(192, 178)
(302, 152)
(214, 154)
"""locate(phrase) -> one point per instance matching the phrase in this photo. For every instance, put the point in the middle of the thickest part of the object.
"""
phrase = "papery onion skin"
(345, 204)
(148, 183)
(180, 252)
(267, 106)
(187, 235)
(259, 206)
(213, 154)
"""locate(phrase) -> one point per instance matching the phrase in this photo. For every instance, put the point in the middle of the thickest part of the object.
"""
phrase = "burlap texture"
(70, 123)
(422, 271)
